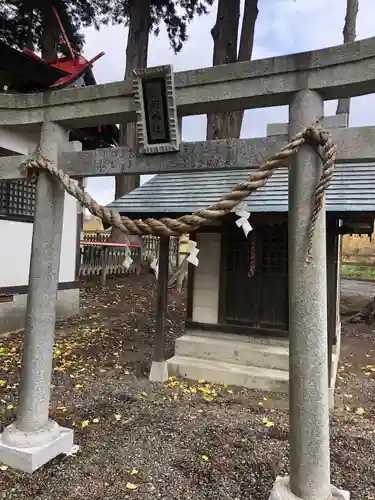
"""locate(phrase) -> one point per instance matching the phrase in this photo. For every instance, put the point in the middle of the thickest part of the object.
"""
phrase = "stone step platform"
(220, 372)
(234, 337)
(237, 350)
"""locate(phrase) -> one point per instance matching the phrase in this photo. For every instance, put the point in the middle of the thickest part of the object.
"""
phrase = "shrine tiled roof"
(351, 190)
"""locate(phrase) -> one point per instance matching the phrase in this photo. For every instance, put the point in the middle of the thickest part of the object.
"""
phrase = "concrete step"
(247, 339)
(252, 377)
(234, 351)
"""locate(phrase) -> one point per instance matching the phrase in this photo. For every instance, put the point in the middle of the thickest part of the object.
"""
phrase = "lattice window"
(238, 253)
(17, 199)
(275, 250)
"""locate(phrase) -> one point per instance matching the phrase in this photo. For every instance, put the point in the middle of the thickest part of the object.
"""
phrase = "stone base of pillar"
(159, 371)
(28, 451)
(281, 491)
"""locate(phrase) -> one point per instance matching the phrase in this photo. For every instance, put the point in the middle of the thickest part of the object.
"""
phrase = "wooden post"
(34, 439)
(105, 259)
(159, 369)
(181, 276)
(332, 254)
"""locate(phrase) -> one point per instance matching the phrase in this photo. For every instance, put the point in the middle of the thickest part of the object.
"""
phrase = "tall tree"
(142, 18)
(349, 34)
(137, 16)
(226, 50)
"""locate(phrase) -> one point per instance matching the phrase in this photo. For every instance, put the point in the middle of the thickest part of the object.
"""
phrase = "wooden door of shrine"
(259, 300)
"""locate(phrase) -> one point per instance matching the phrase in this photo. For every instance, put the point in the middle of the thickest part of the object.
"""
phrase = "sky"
(283, 27)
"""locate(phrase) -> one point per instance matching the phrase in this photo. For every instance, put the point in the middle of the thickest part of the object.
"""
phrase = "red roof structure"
(24, 71)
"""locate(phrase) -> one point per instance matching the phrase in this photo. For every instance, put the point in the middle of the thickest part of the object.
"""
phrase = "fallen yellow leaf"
(10, 407)
(229, 391)
(208, 398)
(134, 472)
(131, 486)
(201, 381)
(85, 423)
(2, 383)
(204, 458)
(268, 423)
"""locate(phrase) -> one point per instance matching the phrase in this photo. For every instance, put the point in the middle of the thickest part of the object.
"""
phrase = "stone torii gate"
(302, 81)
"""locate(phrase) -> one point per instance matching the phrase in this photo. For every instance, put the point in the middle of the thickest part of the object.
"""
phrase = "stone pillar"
(33, 439)
(159, 367)
(308, 367)
(309, 414)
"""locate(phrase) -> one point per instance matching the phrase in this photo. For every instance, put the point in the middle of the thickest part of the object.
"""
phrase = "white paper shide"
(193, 252)
(243, 217)
(155, 266)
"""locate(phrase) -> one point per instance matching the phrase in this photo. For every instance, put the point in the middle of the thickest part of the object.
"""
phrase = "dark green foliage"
(22, 21)
(176, 14)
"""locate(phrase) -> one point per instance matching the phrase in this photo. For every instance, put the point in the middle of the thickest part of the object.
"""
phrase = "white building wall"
(24, 142)
(15, 246)
(207, 279)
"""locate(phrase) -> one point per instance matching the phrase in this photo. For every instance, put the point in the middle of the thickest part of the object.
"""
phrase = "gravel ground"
(179, 440)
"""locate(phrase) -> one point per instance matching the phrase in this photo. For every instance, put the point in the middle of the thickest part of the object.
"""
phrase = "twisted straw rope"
(313, 136)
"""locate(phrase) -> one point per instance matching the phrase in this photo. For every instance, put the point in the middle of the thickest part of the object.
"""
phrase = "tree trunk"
(136, 57)
(225, 36)
(245, 51)
(50, 36)
(30, 40)
(343, 106)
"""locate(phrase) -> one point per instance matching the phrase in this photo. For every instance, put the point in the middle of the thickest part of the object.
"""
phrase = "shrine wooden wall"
(223, 297)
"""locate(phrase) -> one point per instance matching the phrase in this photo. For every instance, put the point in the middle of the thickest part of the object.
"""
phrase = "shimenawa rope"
(321, 141)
